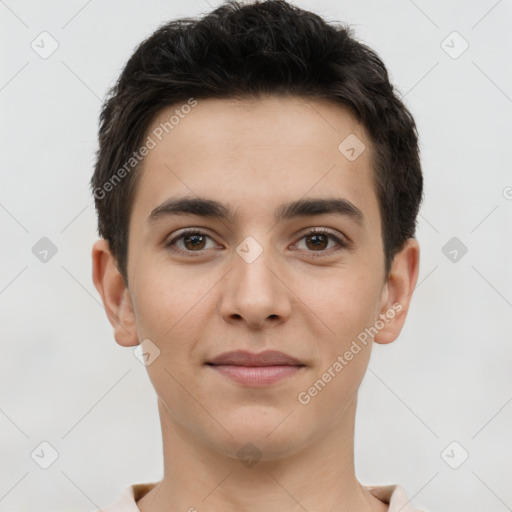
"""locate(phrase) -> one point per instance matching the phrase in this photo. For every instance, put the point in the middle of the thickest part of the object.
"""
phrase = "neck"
(320, 477)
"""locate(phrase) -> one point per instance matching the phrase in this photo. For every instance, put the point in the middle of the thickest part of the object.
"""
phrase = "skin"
(254, 155)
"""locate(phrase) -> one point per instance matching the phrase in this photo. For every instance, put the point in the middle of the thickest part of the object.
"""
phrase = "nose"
(255, 292)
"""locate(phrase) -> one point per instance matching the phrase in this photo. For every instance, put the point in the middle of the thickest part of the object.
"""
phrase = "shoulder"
(395, 496)
(127, 499)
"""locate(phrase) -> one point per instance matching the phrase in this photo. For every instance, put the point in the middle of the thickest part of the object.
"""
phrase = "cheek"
(345, 301)
(167, 313)
(166, 300)
(173, 310)
(324, 400)
(341, 307)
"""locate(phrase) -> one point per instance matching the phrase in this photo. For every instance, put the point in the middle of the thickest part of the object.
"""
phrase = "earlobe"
(397, 292)
(114, 294)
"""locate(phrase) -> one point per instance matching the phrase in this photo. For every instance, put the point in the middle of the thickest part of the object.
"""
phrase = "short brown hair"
(241, 51)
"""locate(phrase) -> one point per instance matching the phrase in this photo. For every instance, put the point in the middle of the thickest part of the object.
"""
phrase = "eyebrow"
(204, 207)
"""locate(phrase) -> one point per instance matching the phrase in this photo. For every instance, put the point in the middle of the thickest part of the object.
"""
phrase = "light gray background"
(447, 378)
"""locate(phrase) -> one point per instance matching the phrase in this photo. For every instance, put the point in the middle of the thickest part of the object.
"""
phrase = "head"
(249, 128)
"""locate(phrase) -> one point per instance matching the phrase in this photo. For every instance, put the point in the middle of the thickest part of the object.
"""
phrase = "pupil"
(194, 239)
(316, 237)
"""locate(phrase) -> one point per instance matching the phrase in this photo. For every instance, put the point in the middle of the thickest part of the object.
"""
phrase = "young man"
(257, 186)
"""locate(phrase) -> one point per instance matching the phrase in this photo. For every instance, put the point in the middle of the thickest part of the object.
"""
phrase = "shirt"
(393, 495)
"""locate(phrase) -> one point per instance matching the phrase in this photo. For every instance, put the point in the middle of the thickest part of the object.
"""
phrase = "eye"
(190, 241)
(317, 240)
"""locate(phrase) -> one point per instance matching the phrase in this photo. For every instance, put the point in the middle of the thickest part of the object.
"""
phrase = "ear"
(397, 292)
(114, 294)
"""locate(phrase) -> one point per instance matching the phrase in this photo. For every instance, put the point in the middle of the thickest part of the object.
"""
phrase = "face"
(290, 260)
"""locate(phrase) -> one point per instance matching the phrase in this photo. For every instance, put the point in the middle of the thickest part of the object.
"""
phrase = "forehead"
(256, 152)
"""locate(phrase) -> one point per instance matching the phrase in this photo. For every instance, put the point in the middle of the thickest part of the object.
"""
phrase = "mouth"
(256, 370)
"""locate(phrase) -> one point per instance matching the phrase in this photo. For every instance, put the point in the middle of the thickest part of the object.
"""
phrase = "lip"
(266, 358)
(256, 370)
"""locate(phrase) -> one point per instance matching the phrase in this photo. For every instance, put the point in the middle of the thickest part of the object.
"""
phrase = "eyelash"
(342, 243)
